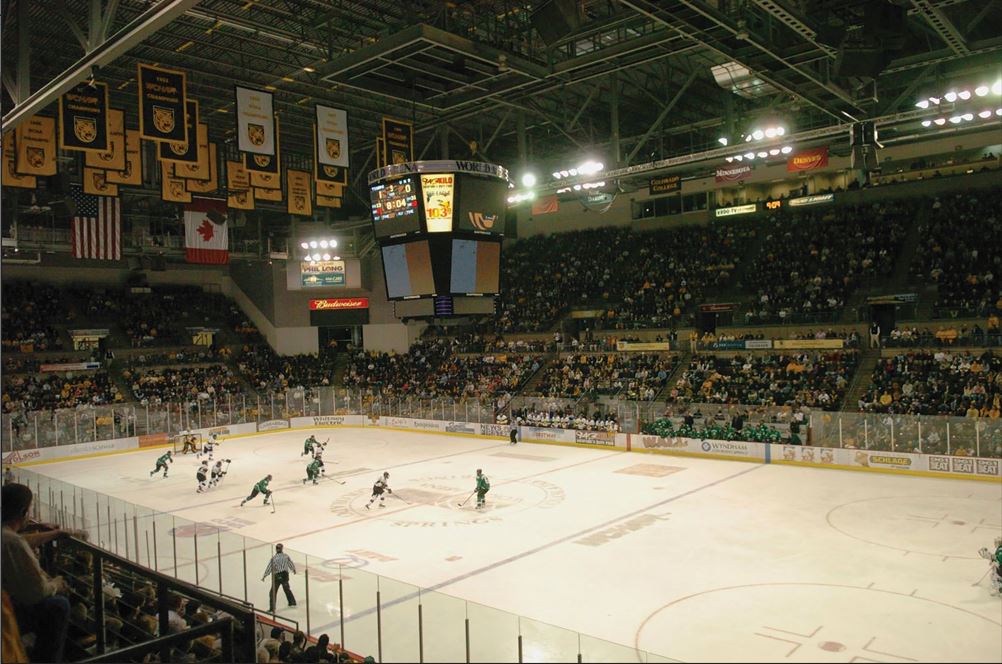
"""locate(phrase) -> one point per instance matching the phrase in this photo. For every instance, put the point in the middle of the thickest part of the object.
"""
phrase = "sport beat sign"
(339, 303)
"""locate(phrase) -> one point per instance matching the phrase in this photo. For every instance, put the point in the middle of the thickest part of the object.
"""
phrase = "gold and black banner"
(186, 152)
(36, 146)
(172, 188)
(212, 184)
(398, 139)
(237, 178)
(256, 131)
(83, 118)
(162, 107)
(199, 170)
(264, 169)
(300, 193)
(240, 200)
(326, 172)
(330, 189)
(132, 174)
(328, 201)
(273, 195)
(114, 158)
(11, 178)
(95, 182)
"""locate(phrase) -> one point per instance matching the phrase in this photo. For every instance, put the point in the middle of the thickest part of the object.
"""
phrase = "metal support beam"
(523, 157)
(109, 18)
(497, 129)
(23, 53)
(945, 28)
(94, 24)
(910, 90)
(443, 141)
(989, 6)
(71, 23)
(664, 113)
(137, 30)
(614, 118)
(577, 116)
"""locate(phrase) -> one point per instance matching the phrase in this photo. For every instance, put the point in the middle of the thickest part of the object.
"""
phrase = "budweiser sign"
(328, 304)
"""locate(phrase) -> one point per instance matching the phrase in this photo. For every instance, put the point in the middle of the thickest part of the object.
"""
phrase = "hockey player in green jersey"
(162, 463)
(313, 471)
(260, 487)
(995, 558)
(308, 445)
(483, 486)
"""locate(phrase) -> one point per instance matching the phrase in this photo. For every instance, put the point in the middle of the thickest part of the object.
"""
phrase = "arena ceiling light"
(765, 133)
(521, 196)
(589, 167)
(961, 93)
(528, 179)
(722, 141)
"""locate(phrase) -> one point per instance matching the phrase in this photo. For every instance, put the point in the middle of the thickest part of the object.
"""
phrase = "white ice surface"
(711, 560)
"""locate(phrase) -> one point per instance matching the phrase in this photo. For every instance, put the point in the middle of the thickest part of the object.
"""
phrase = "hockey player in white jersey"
(208, 445)
(202, 475)
(218, 472)
(382, 485)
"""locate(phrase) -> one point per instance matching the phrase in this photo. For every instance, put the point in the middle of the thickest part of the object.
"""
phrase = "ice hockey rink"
(654, 557)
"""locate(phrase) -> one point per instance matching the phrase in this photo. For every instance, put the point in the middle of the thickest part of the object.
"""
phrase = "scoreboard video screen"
(476, 266)
(408, 270)
(395, 207)
(482, 205)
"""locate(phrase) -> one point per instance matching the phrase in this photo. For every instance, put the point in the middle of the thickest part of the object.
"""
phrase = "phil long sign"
(735, 174)
(332, 137)
(808, 160)
(322, 273)
(255, 121)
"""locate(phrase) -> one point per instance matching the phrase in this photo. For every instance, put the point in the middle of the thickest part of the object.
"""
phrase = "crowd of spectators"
(818, 380)
(30, 392)
(168, 358)
(638, 376)
(392, 374)
(961, 252)
(29, 311)
(283, 646)
(638, 279)
(946, 335)
(811, 261)
(488, 343)
(936, 383)
(714, 430)
(266, 370)
(153, 386)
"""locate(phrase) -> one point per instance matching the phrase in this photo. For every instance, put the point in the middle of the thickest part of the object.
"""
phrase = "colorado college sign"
(338, 303)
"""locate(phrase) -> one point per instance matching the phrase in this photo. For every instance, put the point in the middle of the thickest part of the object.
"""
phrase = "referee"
(279, 567)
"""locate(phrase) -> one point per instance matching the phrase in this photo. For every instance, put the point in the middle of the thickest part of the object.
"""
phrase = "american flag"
(97, 226)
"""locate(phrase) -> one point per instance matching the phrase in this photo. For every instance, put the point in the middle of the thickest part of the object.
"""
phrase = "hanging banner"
(546, 205)
(264, 169)
(199, 169)
(132, 174)
(328, 201)
(273, 195)
(398, 140)
(11, 178)
(186, 151)
(83, 118)
(114, 158)
(735, 174)
(664, 184)
(212, 184)
(331, 136)
(240, 200)
(330, 189)
(95, 183)
(172, 188)
(36, 146)
(380, 152)
(236, 177)
(808, 160)
(300, 194)
(255, 121)
(162, 104)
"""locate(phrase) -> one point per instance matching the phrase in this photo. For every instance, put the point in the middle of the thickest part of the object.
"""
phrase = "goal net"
(187, 442)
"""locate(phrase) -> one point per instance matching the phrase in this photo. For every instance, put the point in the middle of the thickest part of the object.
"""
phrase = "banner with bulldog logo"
(132, 174)
(212, 184)
(162, 104)
(273, 195)
(328, 201)
(255, 121)
(36, 146)
(186, 151)
(328, 172)
(11, 178)
(83, 118)
(263, 169)
(240, 200)
(331, 140)
(199, 170)
(332, 189)
(114, 158)
(172, 188)
(300, 193)
(398, 141)
(95, 183)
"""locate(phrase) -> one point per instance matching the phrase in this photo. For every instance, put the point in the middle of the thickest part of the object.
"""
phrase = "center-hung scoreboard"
(440, 225)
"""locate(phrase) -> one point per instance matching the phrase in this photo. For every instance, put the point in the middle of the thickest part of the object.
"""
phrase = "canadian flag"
(204, 240)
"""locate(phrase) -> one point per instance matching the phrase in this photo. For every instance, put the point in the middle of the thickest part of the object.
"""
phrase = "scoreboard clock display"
(395, 207)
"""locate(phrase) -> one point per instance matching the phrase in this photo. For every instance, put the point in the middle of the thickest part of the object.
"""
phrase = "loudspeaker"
(862, 61)
(863, 133)
(556, 19)
(863, 145)
(830, 35)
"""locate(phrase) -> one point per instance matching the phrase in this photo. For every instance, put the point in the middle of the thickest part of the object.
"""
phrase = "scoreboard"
(440, 225)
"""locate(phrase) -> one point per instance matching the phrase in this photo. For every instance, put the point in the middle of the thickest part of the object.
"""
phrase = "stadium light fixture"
(956, 119)
(739, 157)
(728, 159)
(335, 258)
(950, 96)
(967, 117)
(773, 152)
(763, 154)
(749, 155)
(997, 87)
(528, 179)
(722, 141)
(304, 245)
(323, 244)
(985, 114)
(998, 111)
(982, 90)
(786, 149)
(313, 244)
(939, 122)
(327, 257)
(964, 94)
(924, 103)
(556, 175)
(926, 123)
(758, 134)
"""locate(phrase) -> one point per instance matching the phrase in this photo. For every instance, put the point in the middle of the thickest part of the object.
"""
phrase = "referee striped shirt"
(280, 562)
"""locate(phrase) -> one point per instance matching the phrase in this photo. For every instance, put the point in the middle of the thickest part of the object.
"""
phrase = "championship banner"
(236, 177)
(664, 184)
(187, 151)
(212, 184)
(199, 170)
(172, 188)
(264, 169)
(735, 174)
(114, 158)
(331, 138)
(162, 104)
(36, 146)
(132, 174)
(83, 118)
(273, 195)
(300, 193)
(95, 183)
(240, 200)
(328, 201)
(255, 121)
(808, 160)
(380, 152)
(398, 141)
(11, 178)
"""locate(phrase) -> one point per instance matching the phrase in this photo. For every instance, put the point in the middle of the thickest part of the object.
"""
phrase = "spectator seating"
(631, 376)
(940, 383)
(30, 392)
(174, 385)
(670, 428)
(29, 312)
(266, 370)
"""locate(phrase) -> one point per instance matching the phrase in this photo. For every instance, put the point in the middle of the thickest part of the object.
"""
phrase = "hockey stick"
(396, 496)
(272, 496)
(978, 582)
(335, 479)
(467, 499)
